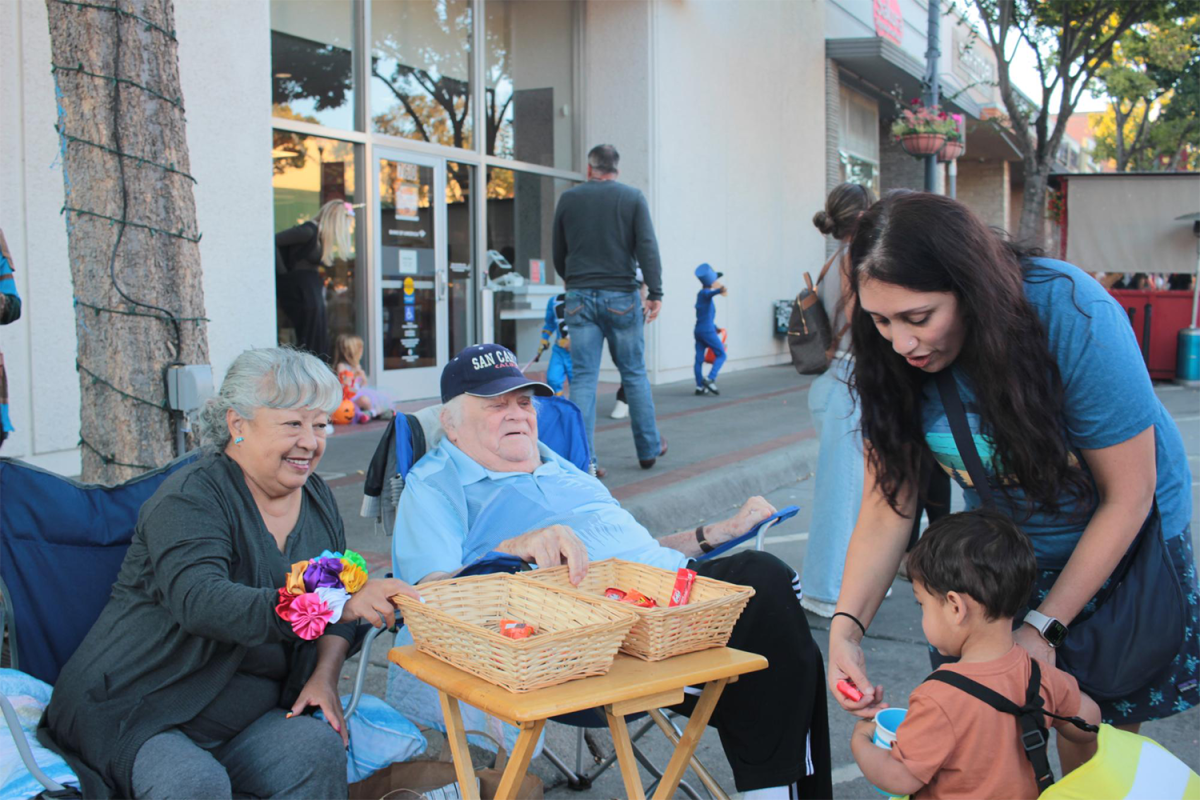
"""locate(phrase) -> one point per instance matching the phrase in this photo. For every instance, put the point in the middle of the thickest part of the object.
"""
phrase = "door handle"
(440, 282)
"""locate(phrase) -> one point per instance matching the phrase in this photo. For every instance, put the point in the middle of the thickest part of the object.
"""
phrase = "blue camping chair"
(61, 546)
(560, 427)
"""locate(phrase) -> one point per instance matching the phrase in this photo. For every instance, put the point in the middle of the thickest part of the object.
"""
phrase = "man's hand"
(547, 547)
(650, 309)
(752, 512)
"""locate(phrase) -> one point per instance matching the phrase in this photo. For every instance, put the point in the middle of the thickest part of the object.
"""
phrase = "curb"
(715, 492)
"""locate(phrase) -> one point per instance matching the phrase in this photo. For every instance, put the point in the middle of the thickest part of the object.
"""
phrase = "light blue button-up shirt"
(453, 511)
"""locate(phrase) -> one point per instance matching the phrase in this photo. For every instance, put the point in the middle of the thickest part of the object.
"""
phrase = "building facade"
(452, 126)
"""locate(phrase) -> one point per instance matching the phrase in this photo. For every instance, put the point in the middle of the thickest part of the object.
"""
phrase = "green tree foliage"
(1153, 88)
(1071, 41)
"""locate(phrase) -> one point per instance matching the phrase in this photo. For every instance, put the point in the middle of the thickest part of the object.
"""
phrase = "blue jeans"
(837, 492)
(708, 338)
(560, 369)
(595, 315)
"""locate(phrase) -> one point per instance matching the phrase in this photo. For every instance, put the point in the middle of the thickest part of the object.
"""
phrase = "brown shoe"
(647, 463)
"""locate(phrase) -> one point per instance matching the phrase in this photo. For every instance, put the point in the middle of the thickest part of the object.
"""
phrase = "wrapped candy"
(516, 630)
(614, 594)
(634, 597)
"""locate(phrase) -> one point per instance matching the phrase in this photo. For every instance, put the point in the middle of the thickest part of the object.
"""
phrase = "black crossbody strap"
(957, 417)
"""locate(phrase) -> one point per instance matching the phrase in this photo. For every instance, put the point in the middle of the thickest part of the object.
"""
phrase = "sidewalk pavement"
(755, 438)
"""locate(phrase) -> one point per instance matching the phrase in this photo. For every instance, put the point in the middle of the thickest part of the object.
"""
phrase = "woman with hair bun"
(839, 469)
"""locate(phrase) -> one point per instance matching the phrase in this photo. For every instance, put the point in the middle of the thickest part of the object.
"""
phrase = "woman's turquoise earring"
(239, 440)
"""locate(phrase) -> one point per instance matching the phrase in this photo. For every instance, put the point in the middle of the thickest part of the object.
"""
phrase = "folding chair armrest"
(758, 531)
(18, 735)
(360, 679)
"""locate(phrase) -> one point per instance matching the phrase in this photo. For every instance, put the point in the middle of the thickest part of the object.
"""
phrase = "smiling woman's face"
(280, 447)
(925, 328)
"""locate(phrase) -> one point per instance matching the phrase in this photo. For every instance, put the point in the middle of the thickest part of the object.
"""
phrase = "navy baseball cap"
(486, 370)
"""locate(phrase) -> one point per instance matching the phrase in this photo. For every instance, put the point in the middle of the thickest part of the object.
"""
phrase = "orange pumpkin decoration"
(344, 414)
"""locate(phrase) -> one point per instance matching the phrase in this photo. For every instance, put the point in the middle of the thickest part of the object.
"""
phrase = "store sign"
(973, 61)
(889, 22)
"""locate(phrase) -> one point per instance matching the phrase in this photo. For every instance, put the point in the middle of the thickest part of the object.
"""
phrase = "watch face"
(1055, 633)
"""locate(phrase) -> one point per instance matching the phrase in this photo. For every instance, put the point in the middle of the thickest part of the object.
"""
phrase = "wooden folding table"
(631, 686)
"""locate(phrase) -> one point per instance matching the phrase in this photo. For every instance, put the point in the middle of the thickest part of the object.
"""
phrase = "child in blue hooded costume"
(557, 337)
(706, 329)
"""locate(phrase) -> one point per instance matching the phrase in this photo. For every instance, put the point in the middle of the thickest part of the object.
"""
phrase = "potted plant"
(954, 146)
(922, 130)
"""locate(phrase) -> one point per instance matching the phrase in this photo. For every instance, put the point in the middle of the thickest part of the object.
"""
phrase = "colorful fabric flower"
(295, 579)
(323, 571)
(330, 554)
(356, 559)
(309, 615)
(353, 578)
(335, 598)
(283, 606)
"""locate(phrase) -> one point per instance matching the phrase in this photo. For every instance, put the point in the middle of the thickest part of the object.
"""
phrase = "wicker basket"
(706, 621)
(459, 623)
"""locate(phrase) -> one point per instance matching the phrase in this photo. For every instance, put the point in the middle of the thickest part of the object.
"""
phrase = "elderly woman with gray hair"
(190, 684)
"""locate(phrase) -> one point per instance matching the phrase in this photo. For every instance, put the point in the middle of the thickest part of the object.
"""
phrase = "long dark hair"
(930, 243)
(844, 205)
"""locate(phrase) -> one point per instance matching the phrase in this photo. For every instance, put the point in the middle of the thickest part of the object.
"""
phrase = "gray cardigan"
(198, 586)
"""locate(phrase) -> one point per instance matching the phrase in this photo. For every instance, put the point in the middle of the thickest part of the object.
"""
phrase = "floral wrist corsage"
(317, 590)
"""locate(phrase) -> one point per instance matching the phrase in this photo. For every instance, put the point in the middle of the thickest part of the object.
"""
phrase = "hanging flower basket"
(922, 144)
(952, 149)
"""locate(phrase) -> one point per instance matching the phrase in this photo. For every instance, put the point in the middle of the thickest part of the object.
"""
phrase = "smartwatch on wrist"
(1053, 631)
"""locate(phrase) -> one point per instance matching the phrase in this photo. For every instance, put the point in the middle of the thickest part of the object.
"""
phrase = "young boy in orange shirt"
(972, 573)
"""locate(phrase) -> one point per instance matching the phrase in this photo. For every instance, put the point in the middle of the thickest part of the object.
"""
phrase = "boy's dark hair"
(979, 553)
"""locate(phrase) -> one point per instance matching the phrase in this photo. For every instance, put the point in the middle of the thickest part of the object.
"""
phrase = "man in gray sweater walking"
(602, 234)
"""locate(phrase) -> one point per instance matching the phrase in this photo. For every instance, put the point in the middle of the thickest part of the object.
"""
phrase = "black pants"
(301, 292)
(773, 722)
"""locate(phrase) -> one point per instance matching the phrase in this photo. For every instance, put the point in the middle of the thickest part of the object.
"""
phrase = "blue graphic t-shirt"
(1108, 399)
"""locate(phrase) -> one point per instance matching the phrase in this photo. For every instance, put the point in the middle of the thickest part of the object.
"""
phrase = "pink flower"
(284, 606)
(309, 615)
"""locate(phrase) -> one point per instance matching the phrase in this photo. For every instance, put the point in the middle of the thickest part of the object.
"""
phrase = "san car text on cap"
(486, 370)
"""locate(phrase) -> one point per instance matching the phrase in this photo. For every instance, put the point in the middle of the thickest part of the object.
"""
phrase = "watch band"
(1042, 623)
(705, 547)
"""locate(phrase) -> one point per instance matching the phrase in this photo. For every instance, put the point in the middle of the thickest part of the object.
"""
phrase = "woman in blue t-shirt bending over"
(1061, 409)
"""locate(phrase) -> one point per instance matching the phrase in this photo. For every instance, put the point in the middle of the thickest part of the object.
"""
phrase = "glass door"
(411, 259)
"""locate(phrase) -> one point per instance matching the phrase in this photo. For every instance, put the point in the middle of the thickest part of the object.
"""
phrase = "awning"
(885, 64)
(1128, 223)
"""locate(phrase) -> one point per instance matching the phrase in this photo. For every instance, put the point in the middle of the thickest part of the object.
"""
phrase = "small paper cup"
(886, 723)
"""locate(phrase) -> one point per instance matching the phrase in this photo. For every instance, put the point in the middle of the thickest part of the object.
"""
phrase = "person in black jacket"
(300, 252)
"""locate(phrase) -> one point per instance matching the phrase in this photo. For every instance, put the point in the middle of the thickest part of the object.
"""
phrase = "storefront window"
(420, 70)
(308, 172)
(855, 169)
(530, 99)
(520, 223)
(460, 247)
(312, 61)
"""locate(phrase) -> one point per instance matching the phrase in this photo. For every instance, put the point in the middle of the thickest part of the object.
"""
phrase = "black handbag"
(1137, 627)
(809, 334)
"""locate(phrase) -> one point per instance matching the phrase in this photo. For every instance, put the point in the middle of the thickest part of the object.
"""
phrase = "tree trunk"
(145, 311)
(1032, 228)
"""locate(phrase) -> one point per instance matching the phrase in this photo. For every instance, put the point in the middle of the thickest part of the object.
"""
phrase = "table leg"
(706, 778)
(625, 758)
(673, 774)
(518, 762)
(457, 737)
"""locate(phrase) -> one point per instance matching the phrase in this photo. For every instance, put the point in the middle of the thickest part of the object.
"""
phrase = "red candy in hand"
(849, 690)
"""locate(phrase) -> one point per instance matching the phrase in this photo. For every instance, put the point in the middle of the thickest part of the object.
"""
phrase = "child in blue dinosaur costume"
(706, 329)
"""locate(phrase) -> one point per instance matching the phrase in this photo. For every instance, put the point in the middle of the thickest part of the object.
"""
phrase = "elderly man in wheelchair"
(490, 485)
